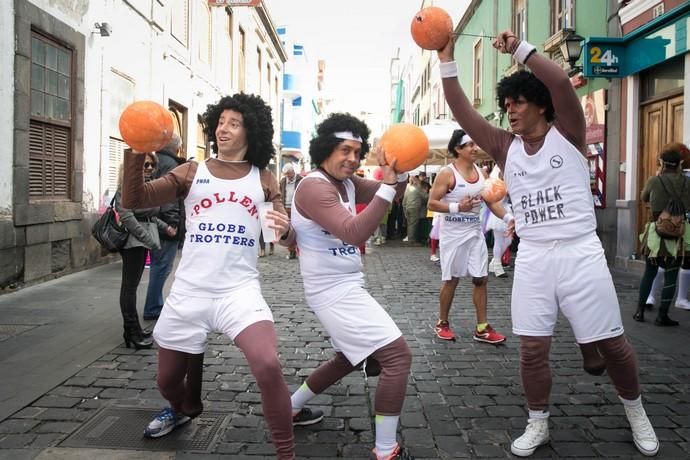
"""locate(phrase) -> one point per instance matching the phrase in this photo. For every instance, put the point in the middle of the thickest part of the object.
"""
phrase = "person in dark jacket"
(143, 227)
(163, 259)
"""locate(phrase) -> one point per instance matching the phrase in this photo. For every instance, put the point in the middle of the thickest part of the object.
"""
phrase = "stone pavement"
(63, 362)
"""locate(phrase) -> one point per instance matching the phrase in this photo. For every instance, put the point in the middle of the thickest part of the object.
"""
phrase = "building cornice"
(271, 31)
(635, 8)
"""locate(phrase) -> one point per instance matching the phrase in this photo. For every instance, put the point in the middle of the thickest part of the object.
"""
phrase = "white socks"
(683, 284)
(301, 397)
(538, 414)
(386, 427)
(656, 287)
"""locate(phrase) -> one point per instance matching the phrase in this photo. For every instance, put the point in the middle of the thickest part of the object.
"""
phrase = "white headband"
(347, 135)
(465, 139)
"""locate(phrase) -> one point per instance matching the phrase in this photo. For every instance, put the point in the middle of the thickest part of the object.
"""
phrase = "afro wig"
(525, 84)
(256, 115)
(321, 147)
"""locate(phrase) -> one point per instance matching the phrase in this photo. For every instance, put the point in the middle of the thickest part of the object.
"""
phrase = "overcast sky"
(357, 39)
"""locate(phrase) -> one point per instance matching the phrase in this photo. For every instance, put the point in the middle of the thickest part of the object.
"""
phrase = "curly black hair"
(524, 83)
(321, 147)
(454, 141)
(258, 122)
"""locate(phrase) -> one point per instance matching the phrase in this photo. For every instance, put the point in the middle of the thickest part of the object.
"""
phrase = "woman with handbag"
(142, 226)
(664, 241)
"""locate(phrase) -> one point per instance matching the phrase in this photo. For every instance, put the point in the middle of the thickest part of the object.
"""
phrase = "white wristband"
(523, 51)
(507, 217)
(448, 69)
(403, 177)
(453, 207)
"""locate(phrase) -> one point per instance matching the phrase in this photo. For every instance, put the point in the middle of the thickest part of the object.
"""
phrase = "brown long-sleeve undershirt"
(319, 201)
(570, 118)
(176, 184)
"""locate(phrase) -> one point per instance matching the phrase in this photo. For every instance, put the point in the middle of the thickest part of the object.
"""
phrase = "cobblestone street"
(464, 398)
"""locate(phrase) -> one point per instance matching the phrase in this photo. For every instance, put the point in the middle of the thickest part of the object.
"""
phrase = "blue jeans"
(161, 265)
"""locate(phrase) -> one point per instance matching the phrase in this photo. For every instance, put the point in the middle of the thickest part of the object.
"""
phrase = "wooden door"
(661, 122)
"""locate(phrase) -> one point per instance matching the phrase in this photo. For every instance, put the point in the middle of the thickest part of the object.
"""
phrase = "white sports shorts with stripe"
(568, 275)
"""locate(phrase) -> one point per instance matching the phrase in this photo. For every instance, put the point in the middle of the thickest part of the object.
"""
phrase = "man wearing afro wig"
(329, 232)
(560, 264)
(216, 285)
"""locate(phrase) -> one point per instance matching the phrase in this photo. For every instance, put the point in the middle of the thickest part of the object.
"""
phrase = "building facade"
(72, 67)
(648, 50)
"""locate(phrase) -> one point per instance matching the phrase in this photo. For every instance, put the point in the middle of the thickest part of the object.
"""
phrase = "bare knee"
(534, 349)
(480, 281)
(266, 368)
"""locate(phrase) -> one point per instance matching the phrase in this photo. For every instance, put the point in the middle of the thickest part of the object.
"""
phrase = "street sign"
(234, 2)
(603, 59)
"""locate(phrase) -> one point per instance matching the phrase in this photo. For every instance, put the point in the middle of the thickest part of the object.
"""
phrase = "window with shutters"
(50, 125)
(477, 73)
(563, 15)
(242, 61)
(179, 21)
(520, 19)
(205, 33)
(116, 149)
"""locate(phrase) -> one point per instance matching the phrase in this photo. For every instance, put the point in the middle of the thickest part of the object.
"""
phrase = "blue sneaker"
(166, 421)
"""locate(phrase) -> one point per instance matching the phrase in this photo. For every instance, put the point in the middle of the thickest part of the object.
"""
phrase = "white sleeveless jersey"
(330, 267)
(223, 228)
(550, 190)
(461, 226)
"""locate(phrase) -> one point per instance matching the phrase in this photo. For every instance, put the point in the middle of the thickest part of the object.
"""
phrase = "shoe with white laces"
(536, 434)
(643, 433)
(164, 422)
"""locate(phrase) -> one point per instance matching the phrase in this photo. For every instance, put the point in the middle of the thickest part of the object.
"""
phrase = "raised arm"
(491, 139)
(570, 118)
(138, 194)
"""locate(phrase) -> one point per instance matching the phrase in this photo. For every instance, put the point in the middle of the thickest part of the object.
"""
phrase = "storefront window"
(663, 79)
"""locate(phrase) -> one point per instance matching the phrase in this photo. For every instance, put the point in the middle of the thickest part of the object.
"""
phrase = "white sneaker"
(683, 304)
(643, 433)
(536, 434)
(434, 258)
(405, 240)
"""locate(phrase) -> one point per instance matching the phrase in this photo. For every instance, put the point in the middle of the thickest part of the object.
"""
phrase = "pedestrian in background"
(143, 227)
(412, 203)
(667, 253)
(172, 213)
(288, 184)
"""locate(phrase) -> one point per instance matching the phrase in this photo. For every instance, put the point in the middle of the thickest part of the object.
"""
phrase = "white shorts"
(185, 321)
(469, 258)
(572, 276)
(357, 325)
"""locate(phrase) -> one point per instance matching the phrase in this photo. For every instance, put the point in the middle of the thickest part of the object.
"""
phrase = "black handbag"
(108, 231)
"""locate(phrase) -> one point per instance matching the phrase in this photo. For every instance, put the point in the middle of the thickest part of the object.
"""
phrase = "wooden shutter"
(115, 158)
(49, 157)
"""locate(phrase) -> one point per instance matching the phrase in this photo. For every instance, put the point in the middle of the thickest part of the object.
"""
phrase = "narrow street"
(70, 390)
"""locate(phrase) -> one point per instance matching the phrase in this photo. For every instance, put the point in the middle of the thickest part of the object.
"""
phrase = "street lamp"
(571, 49)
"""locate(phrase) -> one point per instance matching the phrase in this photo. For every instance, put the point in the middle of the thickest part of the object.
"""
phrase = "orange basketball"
(407, 143)
(431, 28)
(146, 126)
(494, 190)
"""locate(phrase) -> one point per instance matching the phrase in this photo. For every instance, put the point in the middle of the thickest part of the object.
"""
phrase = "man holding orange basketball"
(329, 232)
(456, 193)
(560, 263)
(216, 285)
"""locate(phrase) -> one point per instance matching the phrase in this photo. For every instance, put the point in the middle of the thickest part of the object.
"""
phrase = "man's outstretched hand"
(506, 42)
